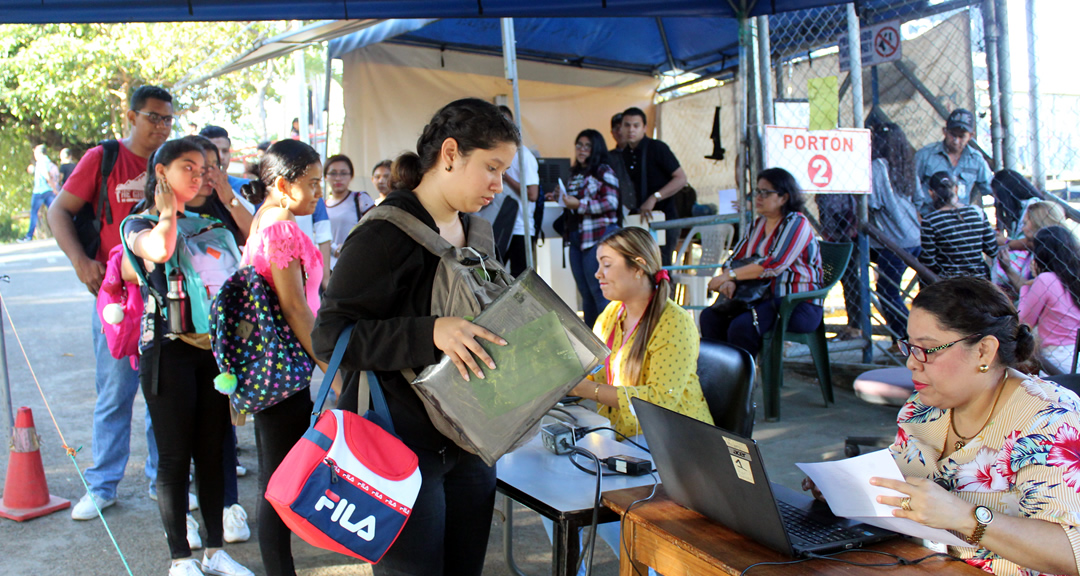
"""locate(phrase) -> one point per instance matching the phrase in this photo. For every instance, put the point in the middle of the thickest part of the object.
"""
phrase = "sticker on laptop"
(740, 458)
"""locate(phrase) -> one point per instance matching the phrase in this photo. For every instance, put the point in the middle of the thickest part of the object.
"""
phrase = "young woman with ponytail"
(289, 185)
(653, 341)
(382, 286)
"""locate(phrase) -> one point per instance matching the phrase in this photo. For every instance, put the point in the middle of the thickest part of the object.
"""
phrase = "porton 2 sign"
(823, 161)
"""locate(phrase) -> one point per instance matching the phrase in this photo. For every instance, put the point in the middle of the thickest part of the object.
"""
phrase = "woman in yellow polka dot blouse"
(653, 341)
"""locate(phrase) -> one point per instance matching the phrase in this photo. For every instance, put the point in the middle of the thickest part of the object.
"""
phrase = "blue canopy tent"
(75, 11)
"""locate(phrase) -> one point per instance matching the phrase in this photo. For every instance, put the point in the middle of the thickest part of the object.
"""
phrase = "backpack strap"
(110, 151)
(411, 225)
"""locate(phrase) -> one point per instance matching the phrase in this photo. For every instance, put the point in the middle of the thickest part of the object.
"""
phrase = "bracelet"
(596, 392)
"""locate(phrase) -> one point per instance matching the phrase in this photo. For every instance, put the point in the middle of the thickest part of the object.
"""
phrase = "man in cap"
(965, 165)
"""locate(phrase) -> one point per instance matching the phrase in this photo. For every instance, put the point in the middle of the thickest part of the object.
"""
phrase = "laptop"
(721, 475)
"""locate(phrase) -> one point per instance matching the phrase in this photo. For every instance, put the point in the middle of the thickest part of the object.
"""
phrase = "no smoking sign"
(887, 42)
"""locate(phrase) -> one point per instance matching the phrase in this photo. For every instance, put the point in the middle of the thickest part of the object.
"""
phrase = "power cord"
(899, 561)
(591, 544)
(581, 432)
(622, 533)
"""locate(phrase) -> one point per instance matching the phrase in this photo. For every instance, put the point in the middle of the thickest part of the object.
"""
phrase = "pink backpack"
(120, 308)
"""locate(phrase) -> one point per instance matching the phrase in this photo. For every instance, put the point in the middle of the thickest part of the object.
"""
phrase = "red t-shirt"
(126, 185)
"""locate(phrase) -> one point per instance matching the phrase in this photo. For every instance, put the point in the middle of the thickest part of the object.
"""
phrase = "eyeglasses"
(761, 192)
(921, 354)
(338, 174)
(581, 146)
(157, 119)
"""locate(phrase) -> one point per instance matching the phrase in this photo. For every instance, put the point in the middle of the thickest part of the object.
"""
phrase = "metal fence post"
(855, 73)
(764, 68)
(1038, 163)
(990, 37)
(5, 382)
(744, 171)
(1004, 60)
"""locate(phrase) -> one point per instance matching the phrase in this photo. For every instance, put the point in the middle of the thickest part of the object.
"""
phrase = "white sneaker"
(193, 539)
(186, 567)
(221, 564)
(85, 509)
(234, 519)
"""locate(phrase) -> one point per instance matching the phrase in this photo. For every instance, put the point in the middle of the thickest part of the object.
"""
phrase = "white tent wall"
(391, 91)
(685, 124)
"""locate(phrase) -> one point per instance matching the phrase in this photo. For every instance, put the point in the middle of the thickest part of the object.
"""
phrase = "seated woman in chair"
(653, 341)
(780, 247)
(988, 452)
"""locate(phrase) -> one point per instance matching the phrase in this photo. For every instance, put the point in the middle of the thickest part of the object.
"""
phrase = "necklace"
(964, 440)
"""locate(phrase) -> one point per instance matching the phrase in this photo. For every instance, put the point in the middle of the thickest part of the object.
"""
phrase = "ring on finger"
(905, 503)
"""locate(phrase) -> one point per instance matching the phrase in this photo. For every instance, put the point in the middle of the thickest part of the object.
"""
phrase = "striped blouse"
(792, 257)
(953, 242)
(1025, 463)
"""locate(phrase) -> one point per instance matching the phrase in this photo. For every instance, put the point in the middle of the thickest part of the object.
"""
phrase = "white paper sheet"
(845, 484)
(725, 203)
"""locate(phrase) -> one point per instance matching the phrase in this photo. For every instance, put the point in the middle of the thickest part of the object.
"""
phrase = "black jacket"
(382, 284)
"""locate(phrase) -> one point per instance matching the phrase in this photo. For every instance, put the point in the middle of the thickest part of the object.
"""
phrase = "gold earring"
(984, 368)
(281, 202)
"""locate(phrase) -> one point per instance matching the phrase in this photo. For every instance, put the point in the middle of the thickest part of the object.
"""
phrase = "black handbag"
(748, 293)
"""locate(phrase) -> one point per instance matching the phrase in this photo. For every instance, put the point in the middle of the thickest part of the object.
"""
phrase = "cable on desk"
(622, 533)
(624, 436)
(597, 472)
(898, 560)
(569, 414)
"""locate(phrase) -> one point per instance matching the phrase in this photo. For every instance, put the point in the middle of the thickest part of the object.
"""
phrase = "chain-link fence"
(940, 205)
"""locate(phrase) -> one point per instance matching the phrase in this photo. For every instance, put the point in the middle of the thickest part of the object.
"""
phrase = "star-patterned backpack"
(260, 358)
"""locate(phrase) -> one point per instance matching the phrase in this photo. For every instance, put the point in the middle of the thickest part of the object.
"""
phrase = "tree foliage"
(68, 85)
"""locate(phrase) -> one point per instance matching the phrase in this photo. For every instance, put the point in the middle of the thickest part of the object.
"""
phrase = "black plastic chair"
(727, 377)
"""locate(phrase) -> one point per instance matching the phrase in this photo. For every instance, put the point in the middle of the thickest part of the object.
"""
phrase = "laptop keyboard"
(799, 524)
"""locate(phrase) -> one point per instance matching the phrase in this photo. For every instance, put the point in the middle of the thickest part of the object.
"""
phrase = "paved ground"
(51, 312)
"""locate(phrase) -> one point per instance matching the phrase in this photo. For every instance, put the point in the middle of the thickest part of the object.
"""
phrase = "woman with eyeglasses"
(592, 204)
(955, 237)
(781, 249)
(344, 206)
(987, 451)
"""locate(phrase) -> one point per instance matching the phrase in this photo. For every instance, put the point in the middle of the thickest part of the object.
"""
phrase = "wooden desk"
(675, 540)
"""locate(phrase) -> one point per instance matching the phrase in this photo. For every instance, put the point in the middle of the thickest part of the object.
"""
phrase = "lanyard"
(611, 340)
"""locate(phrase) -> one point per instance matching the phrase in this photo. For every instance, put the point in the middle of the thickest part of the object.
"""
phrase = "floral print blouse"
(1025, 463)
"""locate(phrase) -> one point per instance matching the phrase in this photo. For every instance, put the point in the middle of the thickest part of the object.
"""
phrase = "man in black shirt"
(628, 199)
(655, 171)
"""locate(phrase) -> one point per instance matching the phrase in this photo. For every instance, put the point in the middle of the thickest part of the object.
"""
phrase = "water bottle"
(177, 301)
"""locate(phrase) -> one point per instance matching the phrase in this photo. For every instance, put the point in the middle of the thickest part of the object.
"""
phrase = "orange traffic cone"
(26, 494)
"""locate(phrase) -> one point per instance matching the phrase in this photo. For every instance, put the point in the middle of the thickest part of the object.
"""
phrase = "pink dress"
(279, 244)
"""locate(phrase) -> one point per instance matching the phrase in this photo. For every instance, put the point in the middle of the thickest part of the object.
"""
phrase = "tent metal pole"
(857, 117)
(5, 382)
(744, 173)
(990, 34)
(1008, 142)
(1038, 165)
(326, 100)
(756, 99)
(510, 67)
(764, 68)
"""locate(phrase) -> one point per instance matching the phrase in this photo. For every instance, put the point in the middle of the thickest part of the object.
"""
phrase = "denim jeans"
(890, 273)
(116, 385)
(36, 201)
(583, 266)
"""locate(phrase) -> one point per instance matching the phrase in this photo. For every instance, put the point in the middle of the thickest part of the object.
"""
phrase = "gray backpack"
(467, 280)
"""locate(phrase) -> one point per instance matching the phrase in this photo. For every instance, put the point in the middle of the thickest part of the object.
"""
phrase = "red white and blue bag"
(349, 484)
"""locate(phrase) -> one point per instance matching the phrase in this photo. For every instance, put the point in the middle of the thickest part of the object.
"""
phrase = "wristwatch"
(657, 196)
(731, 274)
(234, 202)
(983, 517)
